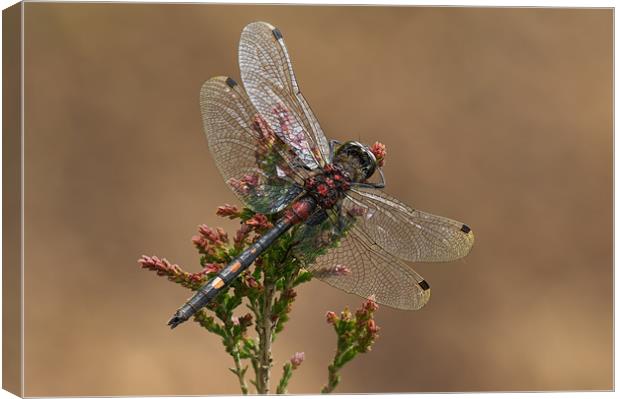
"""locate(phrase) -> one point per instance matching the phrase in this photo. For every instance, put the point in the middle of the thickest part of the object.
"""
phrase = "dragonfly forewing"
(267, 74)
(255, 163)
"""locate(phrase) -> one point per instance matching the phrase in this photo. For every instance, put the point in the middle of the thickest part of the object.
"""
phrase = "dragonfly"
(270, 149)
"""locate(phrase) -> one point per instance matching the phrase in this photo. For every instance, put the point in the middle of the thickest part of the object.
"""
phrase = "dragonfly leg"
(381, 183)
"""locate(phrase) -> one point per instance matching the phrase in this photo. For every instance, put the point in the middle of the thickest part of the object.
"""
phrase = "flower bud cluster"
(378, 150)
(259, 223)
(229, 211)
(210, 241)
(356, 334)
(173, 271)
(362, 328)
(161, 266)
(297, 359)
(244, 321)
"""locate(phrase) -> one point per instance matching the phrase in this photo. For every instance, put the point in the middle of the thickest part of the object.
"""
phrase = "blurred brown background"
(500, 118)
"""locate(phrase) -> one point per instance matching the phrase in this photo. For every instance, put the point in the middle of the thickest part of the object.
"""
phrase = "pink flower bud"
(211, 235)
(196, 276)
(331, 317)
(297, 359)
(242, 235)
(341, 270)
(370, 305)
(227, 210)
(238, 186)
(378, 150)
(212, 268)
(259, 222)
(250, 181)
(222, 235)
(251, 282)
(338, 270)
(260, 126)
(372, 326)
(161, 266)
(197, 240)
(201, 243)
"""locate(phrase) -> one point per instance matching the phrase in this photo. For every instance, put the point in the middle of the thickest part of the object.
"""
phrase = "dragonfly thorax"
(328, 186)
(356, 161)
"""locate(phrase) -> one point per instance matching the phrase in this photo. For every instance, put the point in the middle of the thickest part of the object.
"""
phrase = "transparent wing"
(342, 255)
(268, 77)
(407, 233)
(252, 160)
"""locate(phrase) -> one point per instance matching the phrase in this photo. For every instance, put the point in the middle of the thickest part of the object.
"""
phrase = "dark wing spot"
(277, 34)
(231, 83)
(465, 229)
(424, 285)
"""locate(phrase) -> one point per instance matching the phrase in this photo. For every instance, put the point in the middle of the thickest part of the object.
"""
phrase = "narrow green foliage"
(287, 373)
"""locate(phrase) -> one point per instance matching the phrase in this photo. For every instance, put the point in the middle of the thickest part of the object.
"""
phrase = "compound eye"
(368, 162)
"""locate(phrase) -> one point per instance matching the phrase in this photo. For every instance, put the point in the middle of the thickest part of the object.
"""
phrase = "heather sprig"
(287, 371)
(268, 291)
(356, 334)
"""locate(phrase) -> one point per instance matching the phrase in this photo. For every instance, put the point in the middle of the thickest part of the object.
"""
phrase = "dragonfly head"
(357, 160)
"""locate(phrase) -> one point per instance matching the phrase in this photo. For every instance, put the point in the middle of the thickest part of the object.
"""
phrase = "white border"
(577, 4)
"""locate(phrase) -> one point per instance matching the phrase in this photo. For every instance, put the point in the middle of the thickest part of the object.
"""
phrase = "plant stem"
(240, 372)
(264, 346)
(332, 380)
(287, 373)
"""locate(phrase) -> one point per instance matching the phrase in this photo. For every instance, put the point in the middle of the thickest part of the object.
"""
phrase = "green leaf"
(246, 214)
(303, 277)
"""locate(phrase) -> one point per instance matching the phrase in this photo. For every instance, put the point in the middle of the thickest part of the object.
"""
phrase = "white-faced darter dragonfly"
(271, 151)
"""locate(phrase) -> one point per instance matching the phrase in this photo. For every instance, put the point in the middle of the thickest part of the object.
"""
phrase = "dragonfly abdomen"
(298, 212)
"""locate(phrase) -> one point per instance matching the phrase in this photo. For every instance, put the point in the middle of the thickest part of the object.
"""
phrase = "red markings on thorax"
(327, 187)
